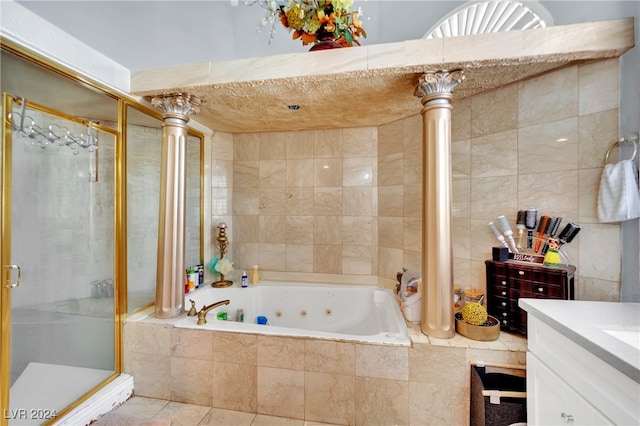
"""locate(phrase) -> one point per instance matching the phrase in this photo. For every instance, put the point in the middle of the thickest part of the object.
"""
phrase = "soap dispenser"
(255, 277)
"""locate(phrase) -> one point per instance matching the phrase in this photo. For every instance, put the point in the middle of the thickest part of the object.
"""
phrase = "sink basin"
(628, 336)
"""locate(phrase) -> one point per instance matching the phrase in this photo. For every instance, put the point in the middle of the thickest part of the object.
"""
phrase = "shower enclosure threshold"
(43, 390)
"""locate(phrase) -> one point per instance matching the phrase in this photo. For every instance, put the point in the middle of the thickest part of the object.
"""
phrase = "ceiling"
(162, 35)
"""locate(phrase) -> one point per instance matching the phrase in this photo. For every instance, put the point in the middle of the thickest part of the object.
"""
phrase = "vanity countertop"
(609, 330)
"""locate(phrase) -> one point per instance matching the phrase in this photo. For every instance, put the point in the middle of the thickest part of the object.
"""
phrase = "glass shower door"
(62, 238)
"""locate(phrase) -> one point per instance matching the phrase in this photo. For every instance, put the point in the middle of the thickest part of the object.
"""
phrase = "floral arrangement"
(221, 266)
(315, 20)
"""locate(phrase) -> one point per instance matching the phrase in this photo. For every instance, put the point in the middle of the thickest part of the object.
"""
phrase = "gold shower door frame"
(7, 275)
(120, 215)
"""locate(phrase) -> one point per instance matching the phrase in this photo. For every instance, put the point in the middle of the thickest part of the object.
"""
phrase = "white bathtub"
(337, 312)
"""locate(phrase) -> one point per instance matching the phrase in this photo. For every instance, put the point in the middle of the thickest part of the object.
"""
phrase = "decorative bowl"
(490, 330)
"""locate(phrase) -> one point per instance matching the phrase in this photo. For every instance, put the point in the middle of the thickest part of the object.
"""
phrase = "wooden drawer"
(538, 275)
(533, 289)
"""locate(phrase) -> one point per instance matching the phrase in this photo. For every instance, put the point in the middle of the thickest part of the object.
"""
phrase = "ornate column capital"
(438, 84)
(181, 104)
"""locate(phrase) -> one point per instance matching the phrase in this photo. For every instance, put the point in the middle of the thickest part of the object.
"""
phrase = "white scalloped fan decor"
(478, 17)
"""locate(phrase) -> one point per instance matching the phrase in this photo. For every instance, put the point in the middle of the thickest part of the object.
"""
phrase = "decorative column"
(170, 272)
(435, 91)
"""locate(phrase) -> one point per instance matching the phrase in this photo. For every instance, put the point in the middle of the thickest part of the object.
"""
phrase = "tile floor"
(197, 415)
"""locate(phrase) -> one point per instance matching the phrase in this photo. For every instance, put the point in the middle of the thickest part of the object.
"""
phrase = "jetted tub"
(337, 312)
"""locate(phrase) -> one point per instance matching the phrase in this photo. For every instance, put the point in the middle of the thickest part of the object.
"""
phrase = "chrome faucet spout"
(202, 315)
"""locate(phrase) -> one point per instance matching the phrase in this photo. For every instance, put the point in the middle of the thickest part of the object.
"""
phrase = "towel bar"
(633, 139)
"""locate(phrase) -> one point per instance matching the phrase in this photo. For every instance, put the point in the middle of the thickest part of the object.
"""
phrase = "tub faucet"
(202, 314)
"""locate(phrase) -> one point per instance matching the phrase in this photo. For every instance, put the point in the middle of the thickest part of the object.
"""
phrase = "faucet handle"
(192, 312)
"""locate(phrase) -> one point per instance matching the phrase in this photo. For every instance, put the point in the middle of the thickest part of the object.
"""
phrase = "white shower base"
(43, 390)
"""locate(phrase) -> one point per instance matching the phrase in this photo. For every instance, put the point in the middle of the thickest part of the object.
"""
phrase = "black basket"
(508, 411)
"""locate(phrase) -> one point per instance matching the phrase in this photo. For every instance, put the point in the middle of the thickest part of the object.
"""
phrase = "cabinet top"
(609, 330)
(569, 269)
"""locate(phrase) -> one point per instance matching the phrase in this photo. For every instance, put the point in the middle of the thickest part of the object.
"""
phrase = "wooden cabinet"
(509, 281)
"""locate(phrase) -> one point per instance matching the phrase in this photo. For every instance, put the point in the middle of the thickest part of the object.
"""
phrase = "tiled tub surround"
(348, 201)
(335, 382)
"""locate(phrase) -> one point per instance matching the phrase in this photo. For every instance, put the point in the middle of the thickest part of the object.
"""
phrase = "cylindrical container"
(244, 279)
(192, 278)
(457, 298)
(471, 295)
(222, 316)
(200, 270)
(240, 315)
(255, 276)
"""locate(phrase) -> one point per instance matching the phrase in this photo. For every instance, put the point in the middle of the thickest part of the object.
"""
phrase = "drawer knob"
(567, 418)
(520, 272)
(504, 322)
(504, 283)
(504, 314)
(504, 303)
(504, 293)
(540, 289)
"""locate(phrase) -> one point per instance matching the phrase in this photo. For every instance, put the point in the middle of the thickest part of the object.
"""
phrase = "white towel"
(619, 197)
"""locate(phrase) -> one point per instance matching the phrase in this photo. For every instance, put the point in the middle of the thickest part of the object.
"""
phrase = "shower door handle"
(9, 284)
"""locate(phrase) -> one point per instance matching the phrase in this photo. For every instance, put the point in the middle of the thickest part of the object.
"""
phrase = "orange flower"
(327, 21)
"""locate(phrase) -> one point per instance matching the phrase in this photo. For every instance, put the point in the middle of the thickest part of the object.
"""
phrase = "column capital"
(433, 85)
(177, 103)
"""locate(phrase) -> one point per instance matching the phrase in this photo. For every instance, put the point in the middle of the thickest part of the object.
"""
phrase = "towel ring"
(630, 139)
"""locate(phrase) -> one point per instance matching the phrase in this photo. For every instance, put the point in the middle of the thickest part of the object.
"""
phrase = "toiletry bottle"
(191, 279)
(255, 277)
(244, 279)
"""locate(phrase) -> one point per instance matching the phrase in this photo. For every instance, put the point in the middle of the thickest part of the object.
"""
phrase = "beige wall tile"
(272, 201)
(328, 143)
(549, 97)
(548, 147)
(272, 257)
(495, 111)
(150, 373)
(299, 202)
(494, 155)
(461, 159)
(597, 132)
(588, 187)
(221, 173)
(461, 198)
(246, 229)
(299, 230)
(221, 201)
(182, 414)
(246, 201)
(222, 146)
(390, 232)
(357, 201)
(191, 344)
(329, 398)
(389, 262)
(151, 339)
(390, 138)
(602, 242)
(187, 384)
(246, 147)
(220, 416)
(281, 352)
(299, 257)
(384, 362)
(412, 200)
(359, 141)
(327, 172)
(357, 260)
(325, 356)
(273, 146)
(234, 386)
(281, 392)
(356, 230)
(461, 120)
(327, 230)
(327, 259)
(246, 174)
(272, 229)
(357, 171)
(390, 200)
(412, 234)
(300, 173)
(461, 236)
(381, 401)
(327, 201)
(432, 403)
(462, 272)
(300, 144)
(598, 290)
(391, 169)
(273, 173)
(244, 255)
(553, 193)
(235, 347)
(598, 85)
(494, 196)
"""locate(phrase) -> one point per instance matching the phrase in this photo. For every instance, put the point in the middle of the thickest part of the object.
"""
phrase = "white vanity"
(583, 362)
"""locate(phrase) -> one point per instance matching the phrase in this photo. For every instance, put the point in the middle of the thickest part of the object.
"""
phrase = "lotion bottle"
(255, 277)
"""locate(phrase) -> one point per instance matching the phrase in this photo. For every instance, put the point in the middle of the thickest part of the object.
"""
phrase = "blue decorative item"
(212, 265)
